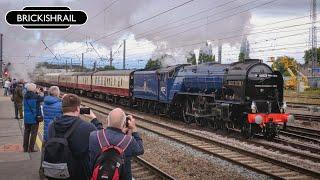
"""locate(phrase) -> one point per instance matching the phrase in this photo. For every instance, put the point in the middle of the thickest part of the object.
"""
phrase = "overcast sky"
(216, 21)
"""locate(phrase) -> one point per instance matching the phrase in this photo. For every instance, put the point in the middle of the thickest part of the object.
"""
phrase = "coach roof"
(113, 72)
(82, 73)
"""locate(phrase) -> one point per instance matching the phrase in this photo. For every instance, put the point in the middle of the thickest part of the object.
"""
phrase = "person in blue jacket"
(115, 132)
(52, 108)
(31, 109)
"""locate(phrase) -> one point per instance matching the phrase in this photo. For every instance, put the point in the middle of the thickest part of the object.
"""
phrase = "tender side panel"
(146, 85)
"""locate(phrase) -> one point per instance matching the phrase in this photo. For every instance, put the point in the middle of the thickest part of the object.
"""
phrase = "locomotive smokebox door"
(225, 112)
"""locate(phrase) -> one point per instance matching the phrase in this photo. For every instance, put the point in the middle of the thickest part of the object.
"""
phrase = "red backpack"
(109, 162)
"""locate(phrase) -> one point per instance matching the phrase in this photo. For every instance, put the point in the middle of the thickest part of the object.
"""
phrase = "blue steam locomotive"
(244, 95)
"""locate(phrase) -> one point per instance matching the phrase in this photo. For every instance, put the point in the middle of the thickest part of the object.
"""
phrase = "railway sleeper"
(247, 161)
(279, 170)
(139, 168)
(143, 173)
(216, 150)
(297, 177)
(285, 174)
(227, 154)
(148, 177)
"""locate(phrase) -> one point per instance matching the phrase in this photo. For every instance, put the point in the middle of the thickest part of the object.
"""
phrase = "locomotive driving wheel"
(185, 112)
(246, 130)
(271, 131)
(202, 122)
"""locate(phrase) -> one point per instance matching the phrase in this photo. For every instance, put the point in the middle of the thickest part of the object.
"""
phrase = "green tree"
(308, 56)
(241, 57)
(106, 68)
(192, 58)
(153, 64)
(282, 64)
(203, 58)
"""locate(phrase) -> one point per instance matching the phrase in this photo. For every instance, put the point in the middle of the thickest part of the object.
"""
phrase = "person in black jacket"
(79, 139)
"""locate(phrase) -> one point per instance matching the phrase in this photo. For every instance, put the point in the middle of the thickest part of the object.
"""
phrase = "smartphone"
(127, 121)
(84, 110)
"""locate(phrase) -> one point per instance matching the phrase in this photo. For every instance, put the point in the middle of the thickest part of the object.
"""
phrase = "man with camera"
(66, 154)
(122, 132)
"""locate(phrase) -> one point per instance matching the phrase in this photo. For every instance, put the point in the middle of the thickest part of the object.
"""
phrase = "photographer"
(76, 131)
(32, 114)
(118, 126)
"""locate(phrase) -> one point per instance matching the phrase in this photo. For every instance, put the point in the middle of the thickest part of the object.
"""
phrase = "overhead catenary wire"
(144, 20)
(190, 16)
(225, 17)
(90, 19)
(272, 39)
(199, 19)
(263, 4)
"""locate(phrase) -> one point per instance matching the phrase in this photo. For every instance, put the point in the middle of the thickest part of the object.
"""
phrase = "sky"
(272, 27)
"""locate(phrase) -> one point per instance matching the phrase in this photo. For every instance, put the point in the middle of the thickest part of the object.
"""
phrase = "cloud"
(165, 32)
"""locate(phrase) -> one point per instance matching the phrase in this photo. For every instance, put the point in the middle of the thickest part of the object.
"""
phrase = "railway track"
(306, 117)
(300, 133)
(252, 160)
(313, 154)
(143, 170)
(301, 105)
(312, 133)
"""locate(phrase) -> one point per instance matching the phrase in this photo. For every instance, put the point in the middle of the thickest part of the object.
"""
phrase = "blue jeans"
(6, 91)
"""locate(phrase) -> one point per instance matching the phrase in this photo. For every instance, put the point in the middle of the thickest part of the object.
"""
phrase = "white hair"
(31, 87)
(54, 91)
(116, 118)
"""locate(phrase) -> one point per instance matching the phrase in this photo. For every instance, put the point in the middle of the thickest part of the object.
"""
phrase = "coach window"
(121, 82)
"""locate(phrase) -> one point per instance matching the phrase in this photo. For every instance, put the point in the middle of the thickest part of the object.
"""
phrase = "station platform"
(14, 163)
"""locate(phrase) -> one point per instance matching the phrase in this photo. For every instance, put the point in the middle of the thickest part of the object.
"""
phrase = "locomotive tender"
(243, 95)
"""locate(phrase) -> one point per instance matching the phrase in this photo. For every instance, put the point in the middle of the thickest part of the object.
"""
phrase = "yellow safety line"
(39, 142)
(40, 133)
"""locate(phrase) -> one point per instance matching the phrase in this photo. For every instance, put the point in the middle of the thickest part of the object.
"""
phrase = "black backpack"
(58, 161)
(109, 162)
